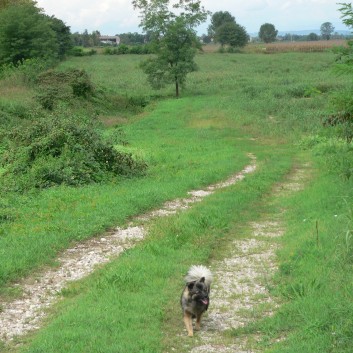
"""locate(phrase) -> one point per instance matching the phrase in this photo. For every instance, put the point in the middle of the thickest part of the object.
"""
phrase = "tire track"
(241, 279)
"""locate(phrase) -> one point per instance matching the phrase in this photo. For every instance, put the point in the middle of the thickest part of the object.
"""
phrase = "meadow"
(270, 105)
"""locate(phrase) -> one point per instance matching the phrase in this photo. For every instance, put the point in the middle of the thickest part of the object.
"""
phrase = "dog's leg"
(198, 322)
(188, 323)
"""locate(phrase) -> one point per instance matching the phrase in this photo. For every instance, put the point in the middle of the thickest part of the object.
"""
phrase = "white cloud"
(118, 16)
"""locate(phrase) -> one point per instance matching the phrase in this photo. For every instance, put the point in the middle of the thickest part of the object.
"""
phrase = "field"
(271, 106)
(285, 47)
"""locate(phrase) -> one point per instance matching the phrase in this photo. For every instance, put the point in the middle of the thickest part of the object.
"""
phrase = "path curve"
(25, 314)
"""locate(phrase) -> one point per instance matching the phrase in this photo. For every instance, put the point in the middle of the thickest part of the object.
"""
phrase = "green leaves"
(25, 33)
(173, 39)
(268, 33)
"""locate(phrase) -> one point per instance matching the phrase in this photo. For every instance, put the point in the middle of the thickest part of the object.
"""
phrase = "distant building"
(113, 40)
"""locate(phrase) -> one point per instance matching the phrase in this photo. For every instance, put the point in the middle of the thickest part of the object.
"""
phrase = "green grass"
(234, 105)
(124, 307)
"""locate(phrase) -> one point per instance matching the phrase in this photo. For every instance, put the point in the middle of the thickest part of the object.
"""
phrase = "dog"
(195, 296)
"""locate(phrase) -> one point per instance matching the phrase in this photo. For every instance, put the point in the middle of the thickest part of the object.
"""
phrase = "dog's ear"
(202, 280)
(191, 285)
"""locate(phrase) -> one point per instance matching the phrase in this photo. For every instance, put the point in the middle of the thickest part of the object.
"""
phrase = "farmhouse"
(114, 40)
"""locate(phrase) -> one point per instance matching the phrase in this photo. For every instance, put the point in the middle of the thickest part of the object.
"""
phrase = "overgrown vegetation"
(61, 148)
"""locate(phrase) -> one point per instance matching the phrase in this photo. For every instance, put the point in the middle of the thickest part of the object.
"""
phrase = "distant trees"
(173, 38)
(226, 31)
(268, 33)
(326, 30)
(313, 37)
(86, 39)
(25, 33)
(132, 38)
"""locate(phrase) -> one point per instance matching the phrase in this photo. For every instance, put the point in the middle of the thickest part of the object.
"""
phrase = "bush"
(124, 49)
(55, 86)
(62, 149)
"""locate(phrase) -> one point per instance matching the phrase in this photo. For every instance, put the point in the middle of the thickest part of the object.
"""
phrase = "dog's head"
(199, 291)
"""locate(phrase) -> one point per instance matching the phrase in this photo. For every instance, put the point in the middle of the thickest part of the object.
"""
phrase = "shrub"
(55, 86)
(62, 149)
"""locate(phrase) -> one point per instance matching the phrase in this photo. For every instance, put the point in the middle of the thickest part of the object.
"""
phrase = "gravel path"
(240, 288)
(40, 291)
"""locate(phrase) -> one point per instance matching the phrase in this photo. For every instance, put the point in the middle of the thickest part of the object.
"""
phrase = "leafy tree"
(63, 36)
(225, 30)
(326, 30)
(231, 33)
(25, 32)
(5, 3)
(313, 37)
(268, 33)
(218, 19)
(173, 39)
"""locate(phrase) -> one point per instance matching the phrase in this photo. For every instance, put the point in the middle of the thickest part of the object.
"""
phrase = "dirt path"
(240, 293)
(40, 291)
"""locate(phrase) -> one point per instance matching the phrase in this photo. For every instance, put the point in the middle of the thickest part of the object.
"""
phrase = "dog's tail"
(196, 272)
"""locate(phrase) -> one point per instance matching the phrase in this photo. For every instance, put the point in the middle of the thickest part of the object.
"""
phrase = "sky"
(112, 17)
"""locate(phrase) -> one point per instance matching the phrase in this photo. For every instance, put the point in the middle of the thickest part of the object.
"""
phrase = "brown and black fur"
(195, 297)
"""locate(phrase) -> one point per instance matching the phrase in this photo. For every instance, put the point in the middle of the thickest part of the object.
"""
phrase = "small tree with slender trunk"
(173, 38)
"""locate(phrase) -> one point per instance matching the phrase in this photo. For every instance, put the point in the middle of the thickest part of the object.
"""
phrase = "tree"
(231, 33)
(326, 30)
(225, 30)
(343, 100)
(218, 19)
(5, 3)
(63, 36)
(313, 37)
(173, 39)
(131, 38)
(25, 33)
(206, 39)
(268, 33)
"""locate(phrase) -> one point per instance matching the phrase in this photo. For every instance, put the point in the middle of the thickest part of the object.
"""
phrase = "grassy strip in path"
(121, 308)
(316, 274)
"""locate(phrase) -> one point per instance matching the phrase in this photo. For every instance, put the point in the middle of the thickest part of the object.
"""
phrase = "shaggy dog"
(195, 297)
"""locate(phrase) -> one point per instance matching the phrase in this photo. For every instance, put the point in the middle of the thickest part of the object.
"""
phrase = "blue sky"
(117, 16)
